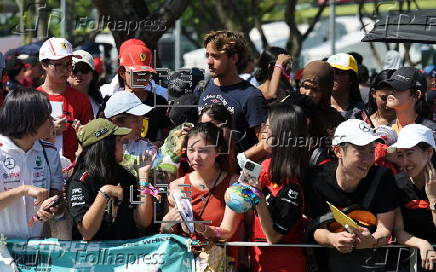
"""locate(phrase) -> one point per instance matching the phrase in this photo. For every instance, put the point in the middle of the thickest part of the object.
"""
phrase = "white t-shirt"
(19, 168)
(114, 86)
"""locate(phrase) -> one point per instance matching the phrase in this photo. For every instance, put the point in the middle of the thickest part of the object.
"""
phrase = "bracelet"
(144, 183)
(279, 66)
(105, 195)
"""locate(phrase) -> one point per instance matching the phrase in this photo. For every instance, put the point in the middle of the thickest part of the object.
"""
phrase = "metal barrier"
(413, 256)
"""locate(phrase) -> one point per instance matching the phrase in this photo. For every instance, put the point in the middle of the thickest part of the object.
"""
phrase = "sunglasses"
(84, 69)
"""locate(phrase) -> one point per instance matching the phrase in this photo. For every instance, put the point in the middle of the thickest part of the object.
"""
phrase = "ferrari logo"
(142, 57)
(64, 45)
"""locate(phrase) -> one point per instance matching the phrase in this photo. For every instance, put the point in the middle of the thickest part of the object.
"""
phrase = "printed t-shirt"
(246, 104)
(75, 105)
(81, 193)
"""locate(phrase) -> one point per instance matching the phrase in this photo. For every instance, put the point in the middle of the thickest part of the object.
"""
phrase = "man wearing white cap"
(352, 183)
(68, 104)
(415, 220)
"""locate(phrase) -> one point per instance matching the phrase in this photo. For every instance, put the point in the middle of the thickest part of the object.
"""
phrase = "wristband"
(144, 183)
(279, 66)
(105, 195)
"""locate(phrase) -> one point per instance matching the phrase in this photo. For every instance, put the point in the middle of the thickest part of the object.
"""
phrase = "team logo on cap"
(142, 56)
(64, 45)
(101, 132)
(364, 126)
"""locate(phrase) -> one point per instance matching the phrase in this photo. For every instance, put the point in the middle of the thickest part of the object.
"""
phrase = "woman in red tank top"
(207, 153)
(279, 215)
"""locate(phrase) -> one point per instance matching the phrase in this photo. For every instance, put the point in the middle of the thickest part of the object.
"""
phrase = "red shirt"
(214, 208)
(75, 106)
(279, 259)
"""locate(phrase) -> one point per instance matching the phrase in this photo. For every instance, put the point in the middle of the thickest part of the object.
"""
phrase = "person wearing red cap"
(134, 74)
(55, 56)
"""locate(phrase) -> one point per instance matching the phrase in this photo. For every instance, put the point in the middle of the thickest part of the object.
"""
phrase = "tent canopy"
(418, 26)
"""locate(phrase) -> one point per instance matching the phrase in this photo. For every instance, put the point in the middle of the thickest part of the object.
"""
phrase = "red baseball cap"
(130, 42)
(136, 58)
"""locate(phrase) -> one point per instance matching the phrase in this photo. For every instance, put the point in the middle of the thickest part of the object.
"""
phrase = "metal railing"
(413, 260)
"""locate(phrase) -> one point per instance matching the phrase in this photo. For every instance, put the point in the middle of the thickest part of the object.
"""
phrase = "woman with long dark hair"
(206, 150)
(98, 192)
(346, 98)
(279, 215)
(380, 114)
(273, 73)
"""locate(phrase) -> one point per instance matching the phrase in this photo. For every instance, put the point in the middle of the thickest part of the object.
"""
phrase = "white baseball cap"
(85, 57)
(411, 135)
(354, 131)
(125, 102)
(56, 48)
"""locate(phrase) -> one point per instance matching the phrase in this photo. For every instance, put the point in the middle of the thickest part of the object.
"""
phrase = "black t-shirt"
(321, 186)
(81, 195)
(157, 117)
(418, 220)
(285, 208)
(247, 105)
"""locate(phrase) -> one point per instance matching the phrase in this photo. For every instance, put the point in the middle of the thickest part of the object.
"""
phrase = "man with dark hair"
(30, 169)
(364, 191)
(55, 56)
(224, 51)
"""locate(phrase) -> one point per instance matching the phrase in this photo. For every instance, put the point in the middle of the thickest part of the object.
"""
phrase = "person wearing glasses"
(380, 114)
(70, 104)
(84, 78)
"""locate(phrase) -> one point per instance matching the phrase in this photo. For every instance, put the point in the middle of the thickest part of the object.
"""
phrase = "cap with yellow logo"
(98, 129)
(55, 49)
(136, 58)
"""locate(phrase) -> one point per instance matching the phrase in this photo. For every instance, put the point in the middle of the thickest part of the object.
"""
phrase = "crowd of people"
(84, 161)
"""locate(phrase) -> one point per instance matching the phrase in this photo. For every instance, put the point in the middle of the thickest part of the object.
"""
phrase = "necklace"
(205, 200)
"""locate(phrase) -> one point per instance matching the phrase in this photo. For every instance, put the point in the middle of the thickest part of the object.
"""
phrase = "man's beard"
(217, 75)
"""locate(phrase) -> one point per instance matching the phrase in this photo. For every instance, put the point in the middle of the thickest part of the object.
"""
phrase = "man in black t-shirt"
(352, 181)
(224, 50)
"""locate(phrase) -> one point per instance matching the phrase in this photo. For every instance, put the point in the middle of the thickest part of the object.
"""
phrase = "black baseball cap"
(406, 78)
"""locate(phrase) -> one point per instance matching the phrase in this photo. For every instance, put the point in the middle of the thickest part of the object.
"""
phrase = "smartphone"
(54, 202)
(253, 170)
